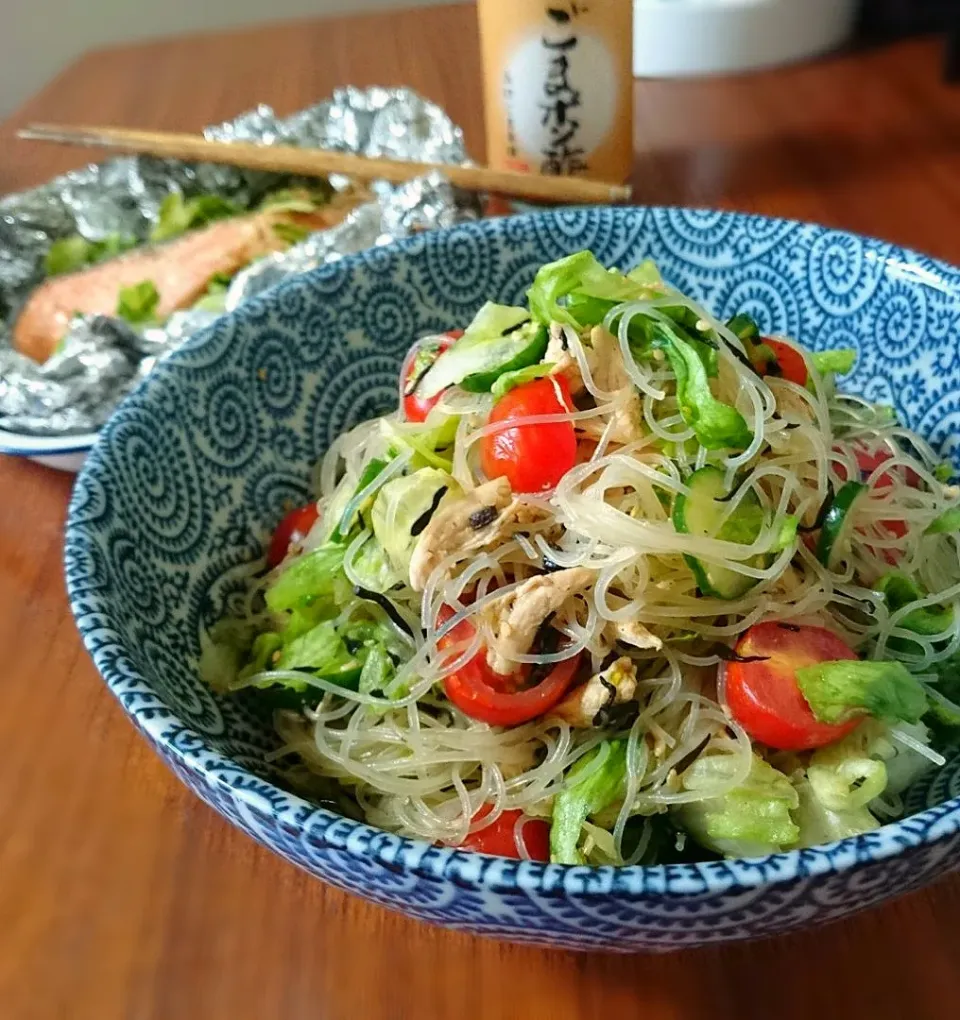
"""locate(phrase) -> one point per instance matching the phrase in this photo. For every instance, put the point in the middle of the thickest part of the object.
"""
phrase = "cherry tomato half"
(416, 408)
(497, 838)
(533, 458)
(292, 530)
(764, 696)
(497, 698)
(792, 366)
(790, 363)
(868, 461)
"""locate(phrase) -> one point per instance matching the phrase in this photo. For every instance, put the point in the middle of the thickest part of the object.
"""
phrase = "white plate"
(64, 453)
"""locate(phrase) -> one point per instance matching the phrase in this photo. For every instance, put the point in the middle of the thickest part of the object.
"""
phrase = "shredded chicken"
(615, 685)
(515, 618)
(485, 517)
(610, 374)
(788, 583)
(564, 363)
(791, 406)
(633, 633)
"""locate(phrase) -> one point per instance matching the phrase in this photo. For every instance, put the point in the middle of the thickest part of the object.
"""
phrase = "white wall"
(38, 38)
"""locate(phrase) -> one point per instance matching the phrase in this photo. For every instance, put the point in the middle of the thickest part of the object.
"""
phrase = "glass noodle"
(420, 767)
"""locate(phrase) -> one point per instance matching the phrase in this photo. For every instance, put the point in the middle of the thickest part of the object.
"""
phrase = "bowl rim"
(194, 754)
(24, 444)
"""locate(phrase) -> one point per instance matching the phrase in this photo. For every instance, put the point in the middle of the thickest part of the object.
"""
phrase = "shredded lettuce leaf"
(646, 274)
(316, 575)
(320, 648)
(838, 691)
(899, 591)
(500, 338)
(583, 275)
(428, 350)
(138, 302)
(322, 630)
(378, 670)
(704, 342)
(492, 320)
(75, 252)
(297, 200)
(819, 824)
(752, 820)
(68, 255)
(718, 426)
(580, 799)
(215, 298)
(322, 652)
(263, 654)
(400, 505)
(373, 567)
(223, 649)
(944, 692)
(290, 233)
(348, 655)
(844, 780)
(904, 765)
(846, 785)
(745, 523)
(342, 511)
(788, 533)
(840, 361)
(425, 440)
(511, 380)
(947, 523)
(944, 703)
(178, 214)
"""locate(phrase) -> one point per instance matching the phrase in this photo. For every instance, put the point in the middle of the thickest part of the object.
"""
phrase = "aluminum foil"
(101, 358)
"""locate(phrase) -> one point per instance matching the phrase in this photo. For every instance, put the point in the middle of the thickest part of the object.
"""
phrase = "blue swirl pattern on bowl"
(201, 460)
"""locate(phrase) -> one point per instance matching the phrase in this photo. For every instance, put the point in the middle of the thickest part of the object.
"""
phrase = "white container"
(681, 38)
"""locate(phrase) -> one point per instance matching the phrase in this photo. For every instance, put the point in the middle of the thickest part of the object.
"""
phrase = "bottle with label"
(558, 86)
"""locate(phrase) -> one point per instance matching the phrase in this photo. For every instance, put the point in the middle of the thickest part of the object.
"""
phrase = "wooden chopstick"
(321, 162)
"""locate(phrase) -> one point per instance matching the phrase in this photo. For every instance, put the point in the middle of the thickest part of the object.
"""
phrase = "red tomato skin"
(764, 697)
(497, 838)
(533, 458)
(292, 530)
(868, 462)
(416, 408)
(792, 366)
(495, 698)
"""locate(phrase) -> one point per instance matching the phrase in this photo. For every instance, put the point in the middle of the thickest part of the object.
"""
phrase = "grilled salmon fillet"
(181, 271)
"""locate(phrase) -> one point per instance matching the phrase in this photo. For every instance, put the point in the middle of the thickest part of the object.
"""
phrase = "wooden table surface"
(121, 895)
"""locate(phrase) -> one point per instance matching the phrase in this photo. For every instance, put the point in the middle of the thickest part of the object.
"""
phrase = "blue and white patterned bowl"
(198, 464)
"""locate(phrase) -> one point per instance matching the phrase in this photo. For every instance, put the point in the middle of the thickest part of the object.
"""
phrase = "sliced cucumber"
(701, 513)
(744, 327)
(476, 365)
(838, 524)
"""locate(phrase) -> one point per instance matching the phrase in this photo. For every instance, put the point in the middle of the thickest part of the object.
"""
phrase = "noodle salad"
(618, 583)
